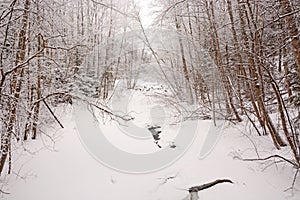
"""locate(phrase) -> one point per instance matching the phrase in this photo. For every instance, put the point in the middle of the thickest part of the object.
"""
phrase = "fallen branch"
(208, 185)
(270, 157)
(51, 95)
(66, 94)
(52, 113)
(105, 110)
(3, 192)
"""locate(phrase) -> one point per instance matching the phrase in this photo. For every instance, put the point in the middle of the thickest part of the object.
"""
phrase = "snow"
(70, 169)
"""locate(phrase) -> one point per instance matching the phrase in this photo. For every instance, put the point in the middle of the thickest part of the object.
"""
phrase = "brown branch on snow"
(3, 192)
(208, 185)
(43, 99)
(52, 113)
(193, 191)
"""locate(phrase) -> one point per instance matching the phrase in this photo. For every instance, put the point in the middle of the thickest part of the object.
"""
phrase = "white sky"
(146, 12)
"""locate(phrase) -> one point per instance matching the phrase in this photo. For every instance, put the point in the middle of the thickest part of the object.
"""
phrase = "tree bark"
(292, 29)
(16, 87)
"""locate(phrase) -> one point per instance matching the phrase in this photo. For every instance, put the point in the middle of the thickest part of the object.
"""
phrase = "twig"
(3, 192)
(105, 110)
(286, 15)
(294, 182)
(165, 180)
(251, 141)
(110, 7)
(295, 178)
(171, 7)
(270, 157)
(52, 113)
(25, 63)
(273, 163)
(65, 48)
(50, 95)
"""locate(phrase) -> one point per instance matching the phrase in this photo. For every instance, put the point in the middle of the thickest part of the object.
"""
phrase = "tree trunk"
(183, 59)
(218, 58)
(292, 29)
(16, 87)
(255, 84)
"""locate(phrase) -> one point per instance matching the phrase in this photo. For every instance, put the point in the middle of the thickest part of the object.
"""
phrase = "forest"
(232, 60)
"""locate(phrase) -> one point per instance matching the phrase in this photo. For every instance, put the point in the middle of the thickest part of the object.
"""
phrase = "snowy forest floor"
(62, 168)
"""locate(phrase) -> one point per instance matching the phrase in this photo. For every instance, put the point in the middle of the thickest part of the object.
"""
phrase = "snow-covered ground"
(71, 170)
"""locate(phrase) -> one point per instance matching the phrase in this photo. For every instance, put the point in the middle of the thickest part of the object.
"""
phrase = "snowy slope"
(72, 171)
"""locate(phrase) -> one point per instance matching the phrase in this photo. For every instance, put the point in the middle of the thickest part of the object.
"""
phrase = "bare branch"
(286, 15)
(110, 7)
(23, 64)
(270, 157)
(124, 117)
(208, 185)
(165, 180)
(3, 192)
(171, 7)
(65, 48)
(52, 113)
